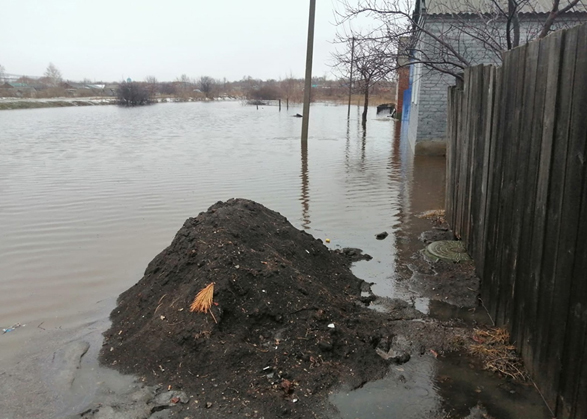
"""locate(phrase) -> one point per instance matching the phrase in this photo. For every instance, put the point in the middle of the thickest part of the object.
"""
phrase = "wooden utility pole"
(308, 85)
(351, 76)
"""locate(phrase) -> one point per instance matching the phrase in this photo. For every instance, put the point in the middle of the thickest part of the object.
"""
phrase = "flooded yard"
(90, 195)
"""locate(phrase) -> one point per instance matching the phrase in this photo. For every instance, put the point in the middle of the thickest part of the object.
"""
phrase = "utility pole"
(308, 84)
(351, 76)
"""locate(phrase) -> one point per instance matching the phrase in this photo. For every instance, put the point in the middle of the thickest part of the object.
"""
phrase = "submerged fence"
(517, 197)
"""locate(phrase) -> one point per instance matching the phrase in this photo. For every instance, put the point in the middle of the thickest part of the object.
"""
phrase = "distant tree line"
(289, 89)
(184, 88)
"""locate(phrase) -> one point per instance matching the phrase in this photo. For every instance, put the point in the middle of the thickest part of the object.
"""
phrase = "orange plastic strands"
(203, 300)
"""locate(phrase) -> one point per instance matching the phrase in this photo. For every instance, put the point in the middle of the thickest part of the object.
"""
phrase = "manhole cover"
(450, 250)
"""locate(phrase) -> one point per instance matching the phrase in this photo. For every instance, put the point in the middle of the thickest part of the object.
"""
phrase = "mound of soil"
(287, 325)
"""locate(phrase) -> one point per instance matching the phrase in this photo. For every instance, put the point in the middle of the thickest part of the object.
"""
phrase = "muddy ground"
(289, 324)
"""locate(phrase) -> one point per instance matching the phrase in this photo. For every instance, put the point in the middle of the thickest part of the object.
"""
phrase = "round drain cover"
(450, 250)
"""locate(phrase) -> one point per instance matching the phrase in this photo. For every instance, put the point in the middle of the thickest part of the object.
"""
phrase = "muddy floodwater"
(88, 196)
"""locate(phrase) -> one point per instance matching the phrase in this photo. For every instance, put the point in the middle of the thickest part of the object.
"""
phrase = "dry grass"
(203, 300)
(493, 348)
(431, 214)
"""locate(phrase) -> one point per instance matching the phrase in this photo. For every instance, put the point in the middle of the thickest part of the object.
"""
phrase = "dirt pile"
(288, 323)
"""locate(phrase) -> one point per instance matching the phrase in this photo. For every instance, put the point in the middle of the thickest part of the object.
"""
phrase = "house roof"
(438, 7)
(74, 85)
(15, 85)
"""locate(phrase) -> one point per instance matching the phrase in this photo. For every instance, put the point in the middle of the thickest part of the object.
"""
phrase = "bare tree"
(288, 88)
(152, 85)
(207, 85)
(444, 44)
(370, 60)
(53, 75)
(554, 13)
(184, 79)
(184, 86)
(2, 73)
(267, 91)
(133, 94)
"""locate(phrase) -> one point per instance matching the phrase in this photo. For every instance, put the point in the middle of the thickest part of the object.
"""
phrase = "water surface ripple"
(90, 195)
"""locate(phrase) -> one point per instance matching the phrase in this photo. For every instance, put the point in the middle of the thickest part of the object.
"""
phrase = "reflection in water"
(395, 178)
(347, 149)
(425, 387)
(376, 182)
(305, 198)
(460, 387)
(407, 392)
(363, 142)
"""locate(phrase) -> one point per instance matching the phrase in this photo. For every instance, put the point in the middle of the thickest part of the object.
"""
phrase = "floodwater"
(88, 196)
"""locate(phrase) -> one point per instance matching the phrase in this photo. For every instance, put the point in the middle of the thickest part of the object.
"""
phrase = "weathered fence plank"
(580, 409)
(490, 285)
(525, 192)
(569, 246)
(517, 197)
(488, 99)
(552, 55)
(477, 159)
(463, 149)
(492, 192)
(454, 112)
(553, 291)
(529, 289)
(508, 220)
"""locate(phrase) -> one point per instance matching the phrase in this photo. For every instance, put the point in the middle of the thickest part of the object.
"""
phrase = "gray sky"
(111, 39)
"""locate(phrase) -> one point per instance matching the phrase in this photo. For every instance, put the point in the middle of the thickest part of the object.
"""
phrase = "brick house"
(425, 113)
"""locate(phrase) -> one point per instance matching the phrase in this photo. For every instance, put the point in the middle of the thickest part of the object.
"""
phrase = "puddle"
(470, 316)
(444, 388)
(47, 379)
(462, 385)
(408, 392)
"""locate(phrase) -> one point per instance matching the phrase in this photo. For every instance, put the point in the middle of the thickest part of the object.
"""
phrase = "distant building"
(16, 89)
(74, 89)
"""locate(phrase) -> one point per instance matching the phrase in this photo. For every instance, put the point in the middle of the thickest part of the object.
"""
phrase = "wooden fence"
(517, 197)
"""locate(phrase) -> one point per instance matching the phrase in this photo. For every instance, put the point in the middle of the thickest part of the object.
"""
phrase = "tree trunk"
(366, 104)
(512, 15)
(516, 30)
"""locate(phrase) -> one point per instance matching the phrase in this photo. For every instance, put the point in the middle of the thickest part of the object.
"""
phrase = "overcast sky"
(114, 39)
